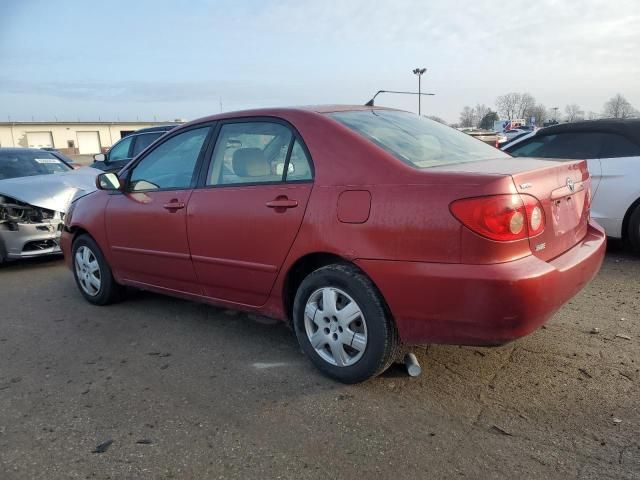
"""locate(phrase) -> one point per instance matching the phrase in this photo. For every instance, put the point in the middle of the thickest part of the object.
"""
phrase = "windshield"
(14, 164)
(417, 141)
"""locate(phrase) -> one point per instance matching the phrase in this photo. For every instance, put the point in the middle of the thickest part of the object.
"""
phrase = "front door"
(242, 224)
(146, 225)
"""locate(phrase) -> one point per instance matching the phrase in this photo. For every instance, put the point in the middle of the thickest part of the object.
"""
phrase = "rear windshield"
(16, 164)
(417, 141)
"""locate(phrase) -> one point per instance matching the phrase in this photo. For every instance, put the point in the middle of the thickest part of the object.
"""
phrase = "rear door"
(619, 181)
(146, 225)
(243, 221)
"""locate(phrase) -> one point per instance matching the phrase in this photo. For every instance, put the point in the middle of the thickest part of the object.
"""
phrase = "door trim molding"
(236, 263)
(157, 253)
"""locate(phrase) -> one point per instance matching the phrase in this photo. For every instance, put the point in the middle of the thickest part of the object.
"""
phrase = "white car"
(612, 150)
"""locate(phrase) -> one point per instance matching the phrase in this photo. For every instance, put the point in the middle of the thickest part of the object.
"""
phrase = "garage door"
(88, 142)
(39, 139)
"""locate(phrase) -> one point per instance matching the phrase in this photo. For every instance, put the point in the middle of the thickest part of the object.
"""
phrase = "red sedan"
(367, 229)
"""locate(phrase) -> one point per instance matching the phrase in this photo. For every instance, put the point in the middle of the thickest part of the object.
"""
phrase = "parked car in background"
(128, 147)
(486, 136)
(515, 132)
(612, 150)
(367, 228)
(36, 188)
(62, 157)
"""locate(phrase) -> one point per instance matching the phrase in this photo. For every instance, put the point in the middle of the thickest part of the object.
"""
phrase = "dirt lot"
(189, 391)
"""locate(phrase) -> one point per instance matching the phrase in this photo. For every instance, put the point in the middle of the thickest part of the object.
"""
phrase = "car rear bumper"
(483, 304)
(29, 240)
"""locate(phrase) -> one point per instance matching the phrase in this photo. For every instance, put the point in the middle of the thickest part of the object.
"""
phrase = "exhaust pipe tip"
(412, 365)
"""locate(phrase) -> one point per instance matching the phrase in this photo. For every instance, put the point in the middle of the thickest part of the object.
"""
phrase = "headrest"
(250, 162)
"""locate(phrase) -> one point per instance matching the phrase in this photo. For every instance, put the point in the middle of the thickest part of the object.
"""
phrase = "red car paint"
(442, 282)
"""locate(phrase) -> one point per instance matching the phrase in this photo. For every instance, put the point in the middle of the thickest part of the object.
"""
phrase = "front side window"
(572, 145)
(249, 152)
(416, 141)
(171, 164)
(143, 140)
(120, 150)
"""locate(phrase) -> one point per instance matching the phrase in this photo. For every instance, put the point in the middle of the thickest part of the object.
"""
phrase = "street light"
(419, 72)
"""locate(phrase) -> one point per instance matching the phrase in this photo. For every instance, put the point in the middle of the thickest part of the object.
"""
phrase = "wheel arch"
(76, 231)
(627, 218)
(308, 263)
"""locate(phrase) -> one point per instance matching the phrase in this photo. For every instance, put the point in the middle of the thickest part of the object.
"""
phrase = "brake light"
(501, 217)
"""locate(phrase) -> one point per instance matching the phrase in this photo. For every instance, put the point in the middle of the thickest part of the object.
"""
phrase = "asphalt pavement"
(156, 387)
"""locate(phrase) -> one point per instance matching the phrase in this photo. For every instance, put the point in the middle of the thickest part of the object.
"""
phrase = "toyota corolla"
(367, 229)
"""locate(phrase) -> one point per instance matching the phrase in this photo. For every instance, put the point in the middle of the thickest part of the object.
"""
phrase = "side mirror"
(100, 157)
(108, 181)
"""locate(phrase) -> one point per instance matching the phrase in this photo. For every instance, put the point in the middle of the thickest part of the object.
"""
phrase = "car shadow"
(31, 263)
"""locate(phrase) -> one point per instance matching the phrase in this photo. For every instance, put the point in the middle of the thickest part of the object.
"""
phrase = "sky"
(146, 60)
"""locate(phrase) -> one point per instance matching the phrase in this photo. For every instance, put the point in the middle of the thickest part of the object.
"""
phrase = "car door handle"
(174, 205)
(282, 202)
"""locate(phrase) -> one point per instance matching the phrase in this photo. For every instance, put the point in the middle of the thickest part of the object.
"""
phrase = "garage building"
(82, 138)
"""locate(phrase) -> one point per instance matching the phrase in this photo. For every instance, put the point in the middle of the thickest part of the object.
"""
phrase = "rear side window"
(573, 145)
(417, 141)
(249, 153)
(142, 141)
(299, 164)
(616, 146)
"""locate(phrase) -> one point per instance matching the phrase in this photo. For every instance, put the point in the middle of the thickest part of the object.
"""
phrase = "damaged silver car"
(36, 189)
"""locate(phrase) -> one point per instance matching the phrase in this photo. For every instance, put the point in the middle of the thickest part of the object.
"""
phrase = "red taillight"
(501, 217)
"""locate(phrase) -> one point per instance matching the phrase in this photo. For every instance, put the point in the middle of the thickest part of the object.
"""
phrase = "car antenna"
(370, 103)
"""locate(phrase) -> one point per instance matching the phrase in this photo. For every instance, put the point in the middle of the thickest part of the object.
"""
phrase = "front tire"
(342, 324)
(92, 272)
(633, 230)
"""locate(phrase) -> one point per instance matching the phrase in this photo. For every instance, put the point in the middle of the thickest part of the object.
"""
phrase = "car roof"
(279, 111)
(630, 127)
(157, 128)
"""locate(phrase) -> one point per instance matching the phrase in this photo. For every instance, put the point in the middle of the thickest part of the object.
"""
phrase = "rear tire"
(342, 324)
(633, 230)
(92, 272)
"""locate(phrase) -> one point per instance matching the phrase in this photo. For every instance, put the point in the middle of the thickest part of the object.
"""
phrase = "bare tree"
(508, 105)
(527, 102)
(467, 117)
(592, 115)
(574, 112)
(539, 112)
(618, 107)
(515, 105)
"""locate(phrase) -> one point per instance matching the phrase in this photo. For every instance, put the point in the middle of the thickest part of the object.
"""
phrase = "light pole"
(419, 72)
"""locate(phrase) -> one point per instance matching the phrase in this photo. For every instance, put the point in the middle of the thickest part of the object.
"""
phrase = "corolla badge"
(571, 185)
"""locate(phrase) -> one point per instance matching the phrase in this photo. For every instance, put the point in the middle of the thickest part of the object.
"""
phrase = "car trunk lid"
(563, 191)
(562, 187)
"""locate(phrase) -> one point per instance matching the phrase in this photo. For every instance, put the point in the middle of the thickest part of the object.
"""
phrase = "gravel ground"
(161, 388)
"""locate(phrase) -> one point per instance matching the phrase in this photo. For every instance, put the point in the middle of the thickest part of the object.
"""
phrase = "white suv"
(612, 150)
